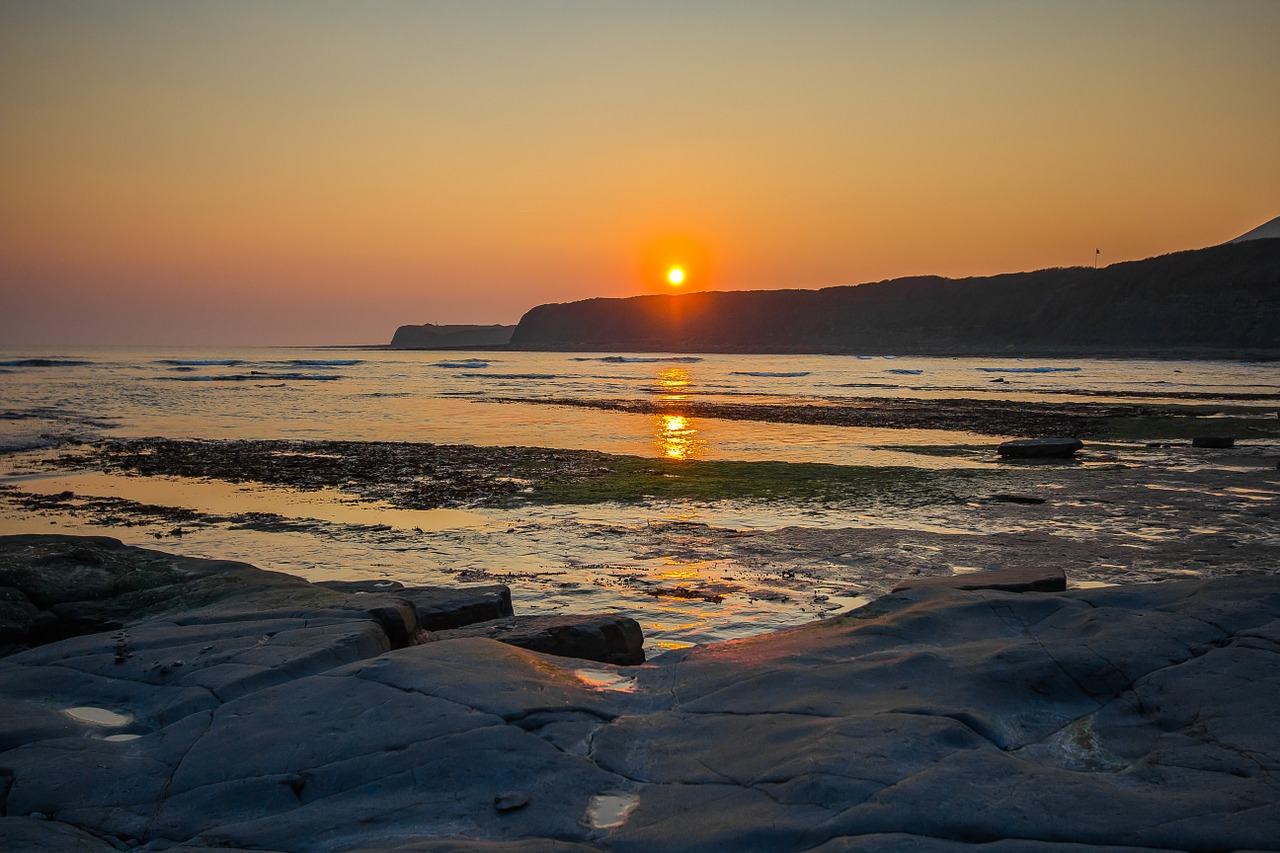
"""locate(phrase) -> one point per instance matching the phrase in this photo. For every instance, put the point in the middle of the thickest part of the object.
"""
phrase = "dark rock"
(1040, 448)
(1008, 580)
(1011, 499)
(87, 584)
(17, 614)
(442, 608)
(606, 637)
(396, 616)
(387, 586)
(510, 801)
(1215, 441)
(35, 835)
(930, 720)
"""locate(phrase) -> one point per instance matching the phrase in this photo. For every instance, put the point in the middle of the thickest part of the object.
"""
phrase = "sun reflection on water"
(674, 383)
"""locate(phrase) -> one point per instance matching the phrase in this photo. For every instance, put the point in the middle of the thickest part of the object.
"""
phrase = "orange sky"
(314, 172)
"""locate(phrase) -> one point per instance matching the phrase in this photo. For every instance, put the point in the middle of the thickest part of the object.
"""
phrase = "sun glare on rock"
(675, 276)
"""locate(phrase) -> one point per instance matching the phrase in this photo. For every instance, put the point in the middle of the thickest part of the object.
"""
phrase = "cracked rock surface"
(1141, 717)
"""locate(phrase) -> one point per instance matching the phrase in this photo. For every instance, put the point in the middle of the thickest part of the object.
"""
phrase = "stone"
(1214, 441)
(1040, 448)
(1009, 580)
(86, 584)
(606, 637)
(384, 586)
(444, 608)
(509, 801)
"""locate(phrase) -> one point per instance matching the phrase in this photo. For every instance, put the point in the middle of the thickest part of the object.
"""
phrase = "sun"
(675, 276)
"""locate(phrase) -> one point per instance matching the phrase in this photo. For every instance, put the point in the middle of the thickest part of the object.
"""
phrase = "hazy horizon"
(316, 173)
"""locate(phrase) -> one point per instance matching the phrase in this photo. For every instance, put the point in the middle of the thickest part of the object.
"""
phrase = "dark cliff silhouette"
(431, 336)
(1222, 301)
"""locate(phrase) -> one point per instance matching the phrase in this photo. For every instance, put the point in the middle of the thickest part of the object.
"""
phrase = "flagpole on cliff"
(1096, 253)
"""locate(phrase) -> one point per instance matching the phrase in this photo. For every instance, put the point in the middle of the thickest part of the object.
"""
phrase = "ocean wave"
(44, 362)
(258, 376)
(864, 385)
(904, 371)
(626, 359)
(324, 362)
(473, 363)
(511, 376)
(767, 373)
(1029, 369)
(201, 362)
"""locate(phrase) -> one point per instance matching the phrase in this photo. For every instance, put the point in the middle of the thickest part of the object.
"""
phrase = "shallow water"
(689, 572)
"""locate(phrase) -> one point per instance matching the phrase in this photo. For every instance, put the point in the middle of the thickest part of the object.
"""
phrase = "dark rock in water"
(1008, 580)
(1216, 441)
(442, 608)
(607, 637)
(388, 586)
(1040, 448)
(1012, 499)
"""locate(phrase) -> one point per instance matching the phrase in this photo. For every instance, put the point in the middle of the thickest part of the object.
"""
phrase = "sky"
(244, 173)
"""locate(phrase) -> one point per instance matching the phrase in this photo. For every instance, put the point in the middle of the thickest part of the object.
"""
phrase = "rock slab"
(606, 637)
(1009, 580)
(933, 719)
(1040, 448)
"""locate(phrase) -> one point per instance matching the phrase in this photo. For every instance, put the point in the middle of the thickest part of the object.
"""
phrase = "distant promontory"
(431, 336)
(1219, 302)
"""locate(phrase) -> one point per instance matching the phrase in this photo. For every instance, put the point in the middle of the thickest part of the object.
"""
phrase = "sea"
(600, 557)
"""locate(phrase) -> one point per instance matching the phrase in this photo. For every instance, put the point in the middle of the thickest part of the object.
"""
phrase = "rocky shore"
(159, 702)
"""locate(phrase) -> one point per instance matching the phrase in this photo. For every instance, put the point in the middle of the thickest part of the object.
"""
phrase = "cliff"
(431, 336)
(1222, 301)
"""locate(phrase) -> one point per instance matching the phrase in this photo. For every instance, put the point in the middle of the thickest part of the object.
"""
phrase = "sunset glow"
(675, 277)
(346, 170)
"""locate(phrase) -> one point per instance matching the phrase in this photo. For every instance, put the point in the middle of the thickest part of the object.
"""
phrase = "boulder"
(606, 637)
(1214, 441)
(383, 586)
(86, 584)
(442, 608)
(1040, 448)
(1009, 580)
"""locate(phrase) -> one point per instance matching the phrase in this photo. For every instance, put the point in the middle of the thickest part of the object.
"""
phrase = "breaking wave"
(473, 363)
(1029, 369)
(44, 362)
(258, 376)
(628, 359)
(325, 362)
(767, 373)
(201, 362)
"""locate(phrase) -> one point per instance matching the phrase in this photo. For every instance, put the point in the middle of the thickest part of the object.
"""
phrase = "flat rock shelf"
(249, 710)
